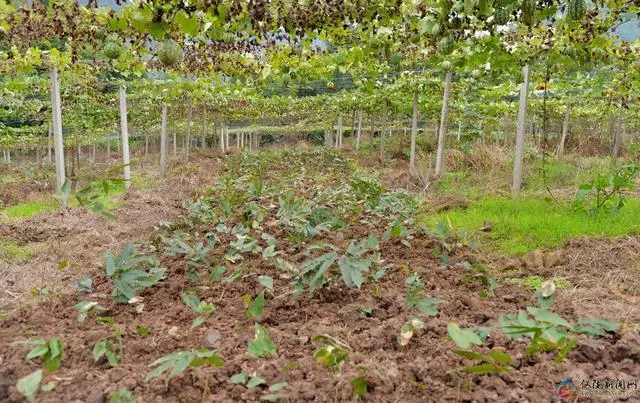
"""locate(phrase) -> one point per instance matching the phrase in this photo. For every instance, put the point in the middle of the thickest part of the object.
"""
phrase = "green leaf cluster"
(131, 273)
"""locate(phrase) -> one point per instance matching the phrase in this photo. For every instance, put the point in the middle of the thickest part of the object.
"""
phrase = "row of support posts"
(442, 131)
(245, 140)
(55, 131)
(250, 141)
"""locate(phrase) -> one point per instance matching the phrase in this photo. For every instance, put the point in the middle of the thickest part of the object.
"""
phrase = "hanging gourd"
(169, 52)
(112, 50)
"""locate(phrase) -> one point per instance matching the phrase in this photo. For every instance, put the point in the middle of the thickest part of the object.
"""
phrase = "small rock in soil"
(589, 351)
(511, 264)
(213, 338)
(511, 298)
(174, 332)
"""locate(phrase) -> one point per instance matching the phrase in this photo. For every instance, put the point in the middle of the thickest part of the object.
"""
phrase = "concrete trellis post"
(163, 141)
(222, 148)
(339, 133)
(124, 133)
(617, 143)
(359, 133)
(188, 138)
(203, 143)
(56, 108)
(522, 119)
(383, 129)
(49, 145)
(565, 131)
(444, 122)
(372, 129)
(414, 130)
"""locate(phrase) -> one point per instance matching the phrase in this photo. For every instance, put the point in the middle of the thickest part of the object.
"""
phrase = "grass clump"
(534, 283)
(558, 174)
(10, 251)
(144, 180)
(29, 209)
(519, 226)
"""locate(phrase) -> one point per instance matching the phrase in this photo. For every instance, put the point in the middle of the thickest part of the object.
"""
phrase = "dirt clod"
(534, 259)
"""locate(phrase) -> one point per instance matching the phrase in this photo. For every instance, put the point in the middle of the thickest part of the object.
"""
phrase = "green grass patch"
(534, 283)
(462, 183)
(558, 174)
(12, 252)
(111, 201)
(519, 226)
(479, 183)
(29, 209)
(144, 180)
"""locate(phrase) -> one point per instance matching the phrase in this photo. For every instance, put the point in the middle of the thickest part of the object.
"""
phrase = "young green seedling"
(28, 385)
(50, 352)
(414, 299)
(192, 300)
(493, 363)
(104, 348)
(176, 363)
(131, 273)
(262, 345)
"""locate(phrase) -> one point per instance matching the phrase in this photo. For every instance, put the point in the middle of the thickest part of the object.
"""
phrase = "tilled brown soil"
(602, 275)
(420, 371)
(423, 370)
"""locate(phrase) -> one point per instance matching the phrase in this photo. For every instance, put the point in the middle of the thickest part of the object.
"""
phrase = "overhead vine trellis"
(312, 65)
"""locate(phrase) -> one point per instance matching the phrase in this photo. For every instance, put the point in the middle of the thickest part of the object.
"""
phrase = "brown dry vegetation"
(81, 237)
